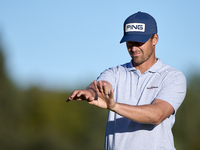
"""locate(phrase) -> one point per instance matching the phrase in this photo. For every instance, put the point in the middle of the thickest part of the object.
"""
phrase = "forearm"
(91, 89)
(153, 113)
(143, 114)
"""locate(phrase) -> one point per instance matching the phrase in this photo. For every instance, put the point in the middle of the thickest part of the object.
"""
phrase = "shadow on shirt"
(122, 125)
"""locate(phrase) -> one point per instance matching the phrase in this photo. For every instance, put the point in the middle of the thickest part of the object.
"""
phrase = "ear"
(155, 39)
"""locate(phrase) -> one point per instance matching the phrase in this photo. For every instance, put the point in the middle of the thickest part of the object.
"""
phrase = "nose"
(134, 48)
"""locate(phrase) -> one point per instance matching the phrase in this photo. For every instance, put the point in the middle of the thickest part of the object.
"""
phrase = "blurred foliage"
(187, 126)
(37, 119)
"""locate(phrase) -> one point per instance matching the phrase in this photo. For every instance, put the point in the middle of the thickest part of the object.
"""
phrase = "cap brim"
(135, 37)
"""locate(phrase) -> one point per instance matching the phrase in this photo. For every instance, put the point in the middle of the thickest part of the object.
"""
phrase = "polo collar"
(154, 69)
(130, 66)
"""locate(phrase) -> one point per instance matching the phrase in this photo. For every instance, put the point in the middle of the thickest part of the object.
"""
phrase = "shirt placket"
(139, 87)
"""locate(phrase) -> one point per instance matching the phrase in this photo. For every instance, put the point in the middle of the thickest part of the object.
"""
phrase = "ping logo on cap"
(135, 27)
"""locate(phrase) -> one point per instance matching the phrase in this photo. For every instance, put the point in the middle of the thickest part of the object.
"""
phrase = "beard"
(138, 60)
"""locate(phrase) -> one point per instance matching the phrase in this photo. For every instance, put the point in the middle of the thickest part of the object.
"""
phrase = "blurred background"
(49, 48)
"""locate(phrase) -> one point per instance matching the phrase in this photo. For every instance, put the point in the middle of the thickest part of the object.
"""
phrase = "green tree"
(37, 119)
(8, 115)
(187, 127)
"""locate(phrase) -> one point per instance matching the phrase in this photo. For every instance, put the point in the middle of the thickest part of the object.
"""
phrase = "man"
(143, 95)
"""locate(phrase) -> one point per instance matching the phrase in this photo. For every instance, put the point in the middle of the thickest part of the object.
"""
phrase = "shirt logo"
(135, 27)
(152, 87)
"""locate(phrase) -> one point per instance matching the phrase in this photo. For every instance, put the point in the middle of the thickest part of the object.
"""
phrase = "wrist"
(114, 107)
(93, 92)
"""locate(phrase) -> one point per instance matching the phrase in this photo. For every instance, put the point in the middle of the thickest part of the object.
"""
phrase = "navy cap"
(139, 27)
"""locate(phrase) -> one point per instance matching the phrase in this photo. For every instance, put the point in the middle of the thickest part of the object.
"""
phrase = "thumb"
(91, 98)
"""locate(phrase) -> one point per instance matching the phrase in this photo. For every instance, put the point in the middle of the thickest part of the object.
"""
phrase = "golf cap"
(139, 27)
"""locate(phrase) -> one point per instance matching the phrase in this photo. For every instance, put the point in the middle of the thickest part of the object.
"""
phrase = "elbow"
(157, 122)
(159, 116)
(157, 119)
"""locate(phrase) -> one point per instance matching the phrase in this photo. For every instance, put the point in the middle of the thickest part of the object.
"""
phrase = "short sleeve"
(173, 90)
(108, 75)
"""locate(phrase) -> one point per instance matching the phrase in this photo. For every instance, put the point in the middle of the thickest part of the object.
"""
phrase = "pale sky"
(63, 44)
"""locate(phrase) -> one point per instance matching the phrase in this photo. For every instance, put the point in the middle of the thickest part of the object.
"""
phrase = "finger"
(91, 99)
(105, 89)
(79, 94)
(73, 94)
(68, 100)
(111, 94)
(96, 91)
(100, 87)
(95, 86)
(87, 97)
(92, 102)
(82, 95)
(75, 98)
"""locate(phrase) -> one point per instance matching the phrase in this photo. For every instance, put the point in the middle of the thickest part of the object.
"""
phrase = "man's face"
(141, 52)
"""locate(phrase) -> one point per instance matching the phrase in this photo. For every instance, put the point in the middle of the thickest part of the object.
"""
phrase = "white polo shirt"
(131, 87)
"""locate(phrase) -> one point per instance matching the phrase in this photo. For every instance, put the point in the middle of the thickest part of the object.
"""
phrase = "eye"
(129, 44)
(137, 44)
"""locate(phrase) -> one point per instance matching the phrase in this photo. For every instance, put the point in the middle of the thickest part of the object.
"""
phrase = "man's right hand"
(80, 95)
(98, 93)
(87, 94)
